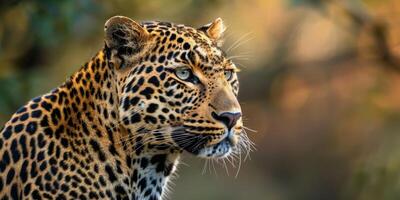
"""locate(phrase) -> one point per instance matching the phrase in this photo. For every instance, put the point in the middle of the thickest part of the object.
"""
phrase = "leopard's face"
(176, 88)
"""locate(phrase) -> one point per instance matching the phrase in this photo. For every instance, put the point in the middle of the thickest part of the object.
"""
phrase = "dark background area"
(320, 84)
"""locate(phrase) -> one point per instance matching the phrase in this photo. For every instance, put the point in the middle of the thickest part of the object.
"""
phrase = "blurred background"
(320, 84)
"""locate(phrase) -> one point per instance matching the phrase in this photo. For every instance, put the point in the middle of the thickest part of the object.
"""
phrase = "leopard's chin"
(205, 146)
(219, 150)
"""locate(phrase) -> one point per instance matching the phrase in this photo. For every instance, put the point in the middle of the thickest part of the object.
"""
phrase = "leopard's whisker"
(249, 129)
(238, 42)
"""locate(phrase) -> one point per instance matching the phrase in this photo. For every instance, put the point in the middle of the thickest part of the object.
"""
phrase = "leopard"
(118, 126)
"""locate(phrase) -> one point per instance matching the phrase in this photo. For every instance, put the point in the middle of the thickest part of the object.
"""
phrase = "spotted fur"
(117, 127)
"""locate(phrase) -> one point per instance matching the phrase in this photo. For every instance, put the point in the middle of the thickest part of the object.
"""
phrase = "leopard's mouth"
(219, 150)
(206, 145)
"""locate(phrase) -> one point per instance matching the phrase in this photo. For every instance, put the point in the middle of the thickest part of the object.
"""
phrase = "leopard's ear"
(124, 36)
(214, 30)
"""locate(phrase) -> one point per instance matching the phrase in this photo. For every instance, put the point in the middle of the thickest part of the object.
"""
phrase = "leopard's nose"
(229, 119)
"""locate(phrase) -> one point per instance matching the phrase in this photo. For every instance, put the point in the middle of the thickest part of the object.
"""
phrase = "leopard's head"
(176, 87)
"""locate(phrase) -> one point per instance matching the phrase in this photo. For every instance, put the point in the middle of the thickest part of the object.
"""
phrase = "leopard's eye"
(183, 73)
(186, 74)
(228, 74)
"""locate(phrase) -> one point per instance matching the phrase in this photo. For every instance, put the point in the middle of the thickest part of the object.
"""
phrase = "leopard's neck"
(94, 121)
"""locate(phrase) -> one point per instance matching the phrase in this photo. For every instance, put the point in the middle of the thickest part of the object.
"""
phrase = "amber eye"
(228, 74)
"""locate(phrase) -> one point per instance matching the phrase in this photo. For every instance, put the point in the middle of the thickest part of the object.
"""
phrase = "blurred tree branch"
(377, 29)
(280, 64)
(277, 65)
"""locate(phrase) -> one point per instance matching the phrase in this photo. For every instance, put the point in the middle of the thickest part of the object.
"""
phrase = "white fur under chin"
(220, 150)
